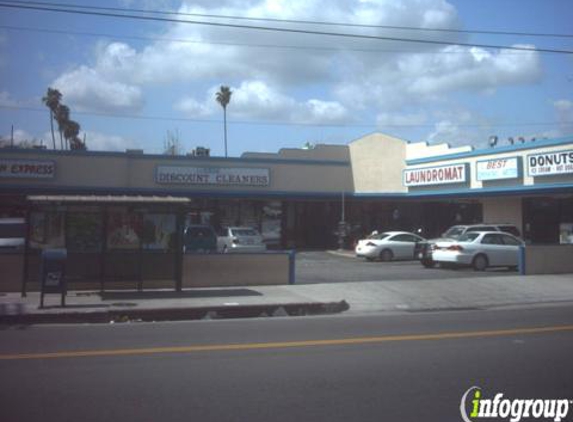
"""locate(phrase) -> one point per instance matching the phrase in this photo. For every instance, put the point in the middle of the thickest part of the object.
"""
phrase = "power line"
(282, 30)
(298, 21)
(279, 123)
(190, 41)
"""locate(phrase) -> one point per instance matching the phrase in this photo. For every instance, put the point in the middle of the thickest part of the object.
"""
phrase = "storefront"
(296, 197)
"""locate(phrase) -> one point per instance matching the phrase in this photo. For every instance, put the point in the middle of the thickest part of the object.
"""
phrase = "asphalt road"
(324, 267)
(384, 367)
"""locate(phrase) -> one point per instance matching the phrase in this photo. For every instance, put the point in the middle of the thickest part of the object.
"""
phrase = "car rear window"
(468, 237)
(378, 236)
(244, 232)
(454, 232)
(511, 230)
(482, 229)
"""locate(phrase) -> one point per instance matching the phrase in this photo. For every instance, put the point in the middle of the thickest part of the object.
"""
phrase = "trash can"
(53, 274)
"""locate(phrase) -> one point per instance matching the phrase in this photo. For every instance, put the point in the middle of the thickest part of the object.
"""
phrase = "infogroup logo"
(513, 409)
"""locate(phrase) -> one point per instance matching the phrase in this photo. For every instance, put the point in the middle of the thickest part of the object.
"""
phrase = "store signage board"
(453, 173)
(222, 176)
(497, 169)
(27, 169)
(550, 163)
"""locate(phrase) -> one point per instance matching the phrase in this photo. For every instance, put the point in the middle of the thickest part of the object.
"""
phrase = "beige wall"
(328, 170)
(548, 259)
(220, 270)
(377, 163)
(503, 210)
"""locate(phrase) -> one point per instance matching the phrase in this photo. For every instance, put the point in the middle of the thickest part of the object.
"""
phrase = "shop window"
(47, 230)
(84, 232)
(158, 232)
(123, 230)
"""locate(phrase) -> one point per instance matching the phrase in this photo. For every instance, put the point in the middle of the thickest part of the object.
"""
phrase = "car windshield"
(468, 237)
(244, 232)
(378, 236)
(454, 232)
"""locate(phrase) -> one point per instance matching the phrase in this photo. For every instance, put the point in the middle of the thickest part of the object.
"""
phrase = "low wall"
(11, 269)
(546, 259)
(221, 270)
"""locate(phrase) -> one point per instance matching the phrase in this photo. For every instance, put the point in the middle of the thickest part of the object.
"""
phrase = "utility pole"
(342, 226)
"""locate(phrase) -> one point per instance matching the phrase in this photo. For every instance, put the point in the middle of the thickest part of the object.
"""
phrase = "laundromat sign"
(27, 169)
(455, 173)
(241, 176)
(550, 163)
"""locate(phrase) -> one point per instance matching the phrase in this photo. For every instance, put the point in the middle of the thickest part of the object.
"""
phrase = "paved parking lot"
(326, 267)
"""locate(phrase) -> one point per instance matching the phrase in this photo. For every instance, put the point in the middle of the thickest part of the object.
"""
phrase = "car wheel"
(480, 262)
(428, 263)
(386, 255)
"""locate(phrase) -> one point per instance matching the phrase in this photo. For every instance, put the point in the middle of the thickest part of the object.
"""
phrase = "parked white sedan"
(240, 239)
(480, 250)
(388, 246)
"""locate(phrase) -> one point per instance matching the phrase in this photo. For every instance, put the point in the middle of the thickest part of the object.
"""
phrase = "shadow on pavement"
(178, 295)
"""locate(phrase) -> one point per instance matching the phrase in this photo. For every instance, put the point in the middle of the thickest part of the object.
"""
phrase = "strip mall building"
(94, 201)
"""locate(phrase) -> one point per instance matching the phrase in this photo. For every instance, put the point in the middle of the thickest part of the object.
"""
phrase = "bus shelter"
(111, 240)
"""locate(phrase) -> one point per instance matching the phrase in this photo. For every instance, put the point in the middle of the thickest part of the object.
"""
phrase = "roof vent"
(200, 152)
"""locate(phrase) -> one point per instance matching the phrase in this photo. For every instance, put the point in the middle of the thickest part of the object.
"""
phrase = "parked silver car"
(480, 250)
(424, 249)
(388, 246)
(240, 239)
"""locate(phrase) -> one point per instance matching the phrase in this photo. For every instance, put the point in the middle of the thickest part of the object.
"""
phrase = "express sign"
(455, 173)
(27, 169)
(550, 163)
(501, 168)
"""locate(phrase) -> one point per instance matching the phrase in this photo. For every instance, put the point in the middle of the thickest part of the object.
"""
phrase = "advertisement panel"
(497, 169)
(453, 173)
(550, 163)
(241, 176)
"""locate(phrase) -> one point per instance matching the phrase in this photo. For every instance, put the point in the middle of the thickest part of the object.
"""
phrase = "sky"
(132, 82)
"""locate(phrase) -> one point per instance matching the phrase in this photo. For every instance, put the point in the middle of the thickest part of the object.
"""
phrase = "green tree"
(223, 98)
(52, 101)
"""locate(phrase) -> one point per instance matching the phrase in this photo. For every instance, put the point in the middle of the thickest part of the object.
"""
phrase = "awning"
(108, 199)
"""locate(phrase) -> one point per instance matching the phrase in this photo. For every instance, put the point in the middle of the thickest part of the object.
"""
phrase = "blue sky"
(289, 89)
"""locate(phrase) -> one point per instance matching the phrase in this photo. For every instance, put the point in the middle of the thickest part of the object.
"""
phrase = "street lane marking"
(287, 344)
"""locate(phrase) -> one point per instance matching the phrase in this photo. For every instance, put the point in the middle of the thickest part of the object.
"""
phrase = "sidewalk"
(311, 299)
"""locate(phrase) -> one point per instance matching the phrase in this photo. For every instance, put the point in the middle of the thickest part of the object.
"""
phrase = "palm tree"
(62, 116)
(52, 101)
(223, 98)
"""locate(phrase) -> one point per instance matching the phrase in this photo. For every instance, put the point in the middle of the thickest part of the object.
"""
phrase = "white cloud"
(86, 89)
(401, 119)
(256, 100)
(465, 68)
(96, 141)
(119, 72)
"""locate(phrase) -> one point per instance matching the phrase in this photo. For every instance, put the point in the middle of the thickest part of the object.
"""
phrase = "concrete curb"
(176, 314)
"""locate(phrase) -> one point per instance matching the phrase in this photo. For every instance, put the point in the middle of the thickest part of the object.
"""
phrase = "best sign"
(502, 168)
